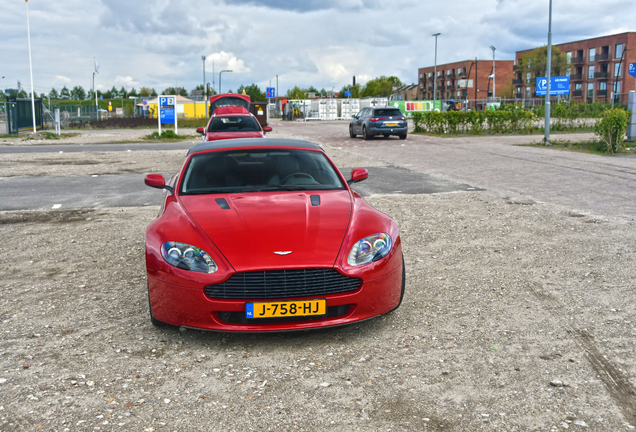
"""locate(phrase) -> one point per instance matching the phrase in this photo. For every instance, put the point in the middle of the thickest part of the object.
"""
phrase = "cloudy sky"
(159, 43)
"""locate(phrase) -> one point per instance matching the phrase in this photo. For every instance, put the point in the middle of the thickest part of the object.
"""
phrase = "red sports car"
(230, 118)
(267, 235)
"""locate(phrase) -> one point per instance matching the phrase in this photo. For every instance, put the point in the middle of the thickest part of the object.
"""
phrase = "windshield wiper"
(278, 187)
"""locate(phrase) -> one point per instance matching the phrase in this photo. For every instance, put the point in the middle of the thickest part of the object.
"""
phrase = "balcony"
(577, 93)
(517, 81)
(601, 92)
(576, 77)
(450, 75)
(423, 79)
(602, 57)
(461, 75)
(518, 95)
(601, 75)
(515, 68)
(578, 60)
(450, 87)
(440, 86)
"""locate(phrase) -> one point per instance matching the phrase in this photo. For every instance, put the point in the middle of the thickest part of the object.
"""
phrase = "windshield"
(388, 112)
(233, 124)
(259, 170)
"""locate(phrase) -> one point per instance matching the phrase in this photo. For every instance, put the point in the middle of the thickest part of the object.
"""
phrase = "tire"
(155, 322)
(365, 135)
(351, 134)
(403, 285)
(402, 136)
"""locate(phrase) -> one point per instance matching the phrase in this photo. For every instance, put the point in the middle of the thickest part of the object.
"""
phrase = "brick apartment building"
(465, 79)
(596, 68)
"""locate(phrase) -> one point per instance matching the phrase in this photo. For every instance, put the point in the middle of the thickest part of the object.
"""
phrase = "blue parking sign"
(271, 92)
(632, 69)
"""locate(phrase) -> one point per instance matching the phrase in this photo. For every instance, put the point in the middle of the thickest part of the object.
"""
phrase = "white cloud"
(62, 78)
(127, 81)
(229, 61)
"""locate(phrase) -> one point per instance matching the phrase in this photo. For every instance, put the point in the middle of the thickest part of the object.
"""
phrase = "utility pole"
(546, 139)
(30, 66)
(493, 73)
(205, 87)
(435, 73)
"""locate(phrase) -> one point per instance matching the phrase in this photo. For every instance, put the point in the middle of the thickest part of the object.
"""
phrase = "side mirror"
(267, 129)
(355, 116)
(157, 181)
(201, 131)
(358, 174)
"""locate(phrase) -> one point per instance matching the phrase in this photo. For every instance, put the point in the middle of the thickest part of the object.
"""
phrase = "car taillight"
(402, 118)
(374, 119)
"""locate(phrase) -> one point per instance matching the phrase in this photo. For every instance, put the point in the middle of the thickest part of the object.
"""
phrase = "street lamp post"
(220, 78)
(435, 73)
(493, 72)
(546, 139)
(30, 65)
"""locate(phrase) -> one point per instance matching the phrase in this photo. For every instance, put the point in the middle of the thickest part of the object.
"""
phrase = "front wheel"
(351, 134)
(403, 286)
(402, 136)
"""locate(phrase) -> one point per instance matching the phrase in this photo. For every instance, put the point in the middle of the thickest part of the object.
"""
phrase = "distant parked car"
(386, 121)
(232, 122)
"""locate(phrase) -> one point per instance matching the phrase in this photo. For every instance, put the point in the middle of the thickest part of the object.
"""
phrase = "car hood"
(214, 136)
(259, 224)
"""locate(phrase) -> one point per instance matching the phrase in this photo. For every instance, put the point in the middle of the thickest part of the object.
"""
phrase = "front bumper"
(190, 307)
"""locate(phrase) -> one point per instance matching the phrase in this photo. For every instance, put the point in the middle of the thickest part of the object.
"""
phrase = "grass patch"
(592, 146)
(166, 135)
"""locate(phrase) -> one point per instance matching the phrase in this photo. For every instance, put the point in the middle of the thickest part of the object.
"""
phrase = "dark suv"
(386, 121)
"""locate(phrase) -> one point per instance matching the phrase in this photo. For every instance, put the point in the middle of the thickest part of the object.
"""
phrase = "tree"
(64, 93)
(133, 92)
(78, 93)
(145, 91)
(254, 92)
(123, 93)
(53, 94)
(536, 61)
(382, 86)
(22, 94)
(153, 93)
(312, 89)
(296, 93)
(176, 91)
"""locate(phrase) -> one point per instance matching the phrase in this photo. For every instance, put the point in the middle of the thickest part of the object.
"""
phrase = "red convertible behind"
(267, 235)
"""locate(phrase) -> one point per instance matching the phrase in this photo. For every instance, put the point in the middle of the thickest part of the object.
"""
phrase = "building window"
(590, 72)
(618, 70)
(439, 73)
(429, 74)
(590, 90)
(448, 83)
(602, 85)
(592, 55)
(578, 86)
(448, 72)
(518, 90)
(459, 70)
(568, 57)
(459, 94)
(528, 77)
(617, 87)
(421, 76)
(618, 51)
(528, 92)
(568, 72)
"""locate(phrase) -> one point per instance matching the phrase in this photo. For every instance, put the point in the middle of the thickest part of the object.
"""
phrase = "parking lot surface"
(518, 315)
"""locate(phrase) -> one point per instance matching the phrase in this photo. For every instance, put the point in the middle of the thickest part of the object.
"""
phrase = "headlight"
(369, 249)
(188, 257)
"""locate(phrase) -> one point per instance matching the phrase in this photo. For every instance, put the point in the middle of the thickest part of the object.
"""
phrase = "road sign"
(347, 93)
(632, 69)
(558, 85)
(271, 92)
(167, 111)
(145, 103)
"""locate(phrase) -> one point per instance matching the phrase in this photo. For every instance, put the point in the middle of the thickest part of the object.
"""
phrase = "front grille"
(240, 318)
(283, 284)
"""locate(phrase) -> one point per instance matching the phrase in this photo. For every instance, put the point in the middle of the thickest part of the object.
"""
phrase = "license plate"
(286, 308)
(390, 124)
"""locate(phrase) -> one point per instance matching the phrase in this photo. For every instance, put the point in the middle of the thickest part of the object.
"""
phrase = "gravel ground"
(503, 297)
(518, 316)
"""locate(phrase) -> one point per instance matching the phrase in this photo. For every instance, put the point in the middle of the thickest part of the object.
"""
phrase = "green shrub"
(611, 128)
(166, 134)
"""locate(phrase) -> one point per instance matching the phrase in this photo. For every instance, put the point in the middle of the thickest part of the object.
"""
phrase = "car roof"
(253, 142)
